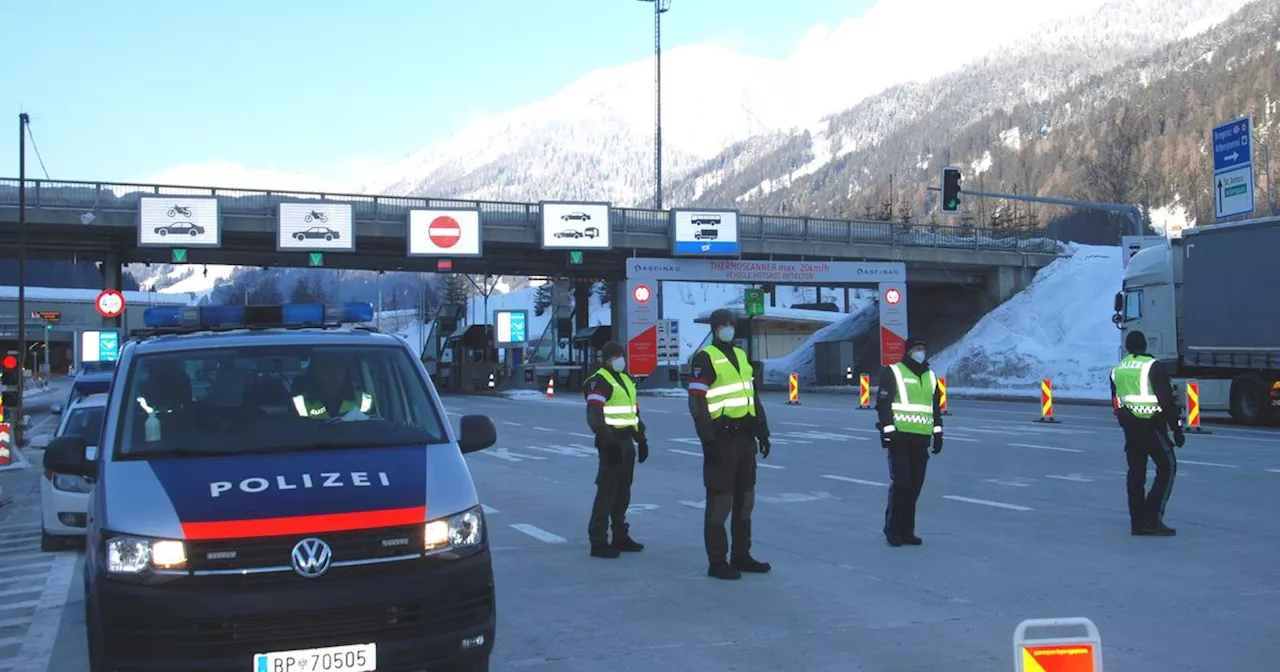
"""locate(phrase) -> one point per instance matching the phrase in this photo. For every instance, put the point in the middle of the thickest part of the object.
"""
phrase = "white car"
(64, 499)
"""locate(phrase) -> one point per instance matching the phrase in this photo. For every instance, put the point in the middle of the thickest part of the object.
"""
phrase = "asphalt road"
(1020, 520)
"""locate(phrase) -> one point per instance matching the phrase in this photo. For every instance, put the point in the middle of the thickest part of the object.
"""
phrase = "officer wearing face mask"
(614, 417)
(731, 425)
(909, 410)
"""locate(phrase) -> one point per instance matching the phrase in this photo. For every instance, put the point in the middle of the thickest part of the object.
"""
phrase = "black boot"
(749, 564)
(1159, 530)
(722, 570)
(604, 551)
(912, 540)
(893, 540)
(626, 543)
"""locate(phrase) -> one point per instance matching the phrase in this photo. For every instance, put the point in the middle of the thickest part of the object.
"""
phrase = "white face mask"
(725, 334)
(918, 356)
(619, 364)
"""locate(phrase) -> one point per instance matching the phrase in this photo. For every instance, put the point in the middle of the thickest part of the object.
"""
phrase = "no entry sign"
(444, 231)
(110, 303)
(437, 233)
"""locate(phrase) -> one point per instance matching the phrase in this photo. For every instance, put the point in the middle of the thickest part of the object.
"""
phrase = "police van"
(276, 492)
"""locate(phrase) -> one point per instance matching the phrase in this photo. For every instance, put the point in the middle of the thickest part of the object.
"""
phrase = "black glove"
(937, 443)
(1179, 439)
(643, 448)
(765, 446)
(886, 439)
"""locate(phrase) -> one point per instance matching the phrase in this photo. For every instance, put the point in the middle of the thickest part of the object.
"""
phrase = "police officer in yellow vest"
(325, 392)
(731, 425)
(1143, 394)
(613, 413)
(909, 413)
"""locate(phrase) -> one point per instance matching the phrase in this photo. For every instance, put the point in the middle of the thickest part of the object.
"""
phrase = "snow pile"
(864, 317)
(1058, 328)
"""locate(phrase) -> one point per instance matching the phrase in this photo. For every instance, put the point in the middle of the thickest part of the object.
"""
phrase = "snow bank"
(865, 316)
(1059, 328)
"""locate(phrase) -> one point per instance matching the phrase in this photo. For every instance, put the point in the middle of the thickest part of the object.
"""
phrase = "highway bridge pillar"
(112, 278)
(1005, 281)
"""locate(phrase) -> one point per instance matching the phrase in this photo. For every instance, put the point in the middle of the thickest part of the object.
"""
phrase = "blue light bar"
(286, 315)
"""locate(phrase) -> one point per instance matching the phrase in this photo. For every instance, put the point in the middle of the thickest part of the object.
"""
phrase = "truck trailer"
(1209, 305)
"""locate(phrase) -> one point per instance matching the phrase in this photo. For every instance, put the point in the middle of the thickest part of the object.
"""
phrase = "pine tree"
(542, 298)
(456, 290)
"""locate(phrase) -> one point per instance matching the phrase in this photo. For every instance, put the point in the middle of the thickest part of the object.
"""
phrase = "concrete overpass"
(956, 273)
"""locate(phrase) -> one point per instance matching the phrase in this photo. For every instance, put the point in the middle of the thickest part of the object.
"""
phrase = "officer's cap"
(722, 317)
(611, 350)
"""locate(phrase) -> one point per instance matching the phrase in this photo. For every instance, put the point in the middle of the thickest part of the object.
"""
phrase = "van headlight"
(462, 530)
(134, 555)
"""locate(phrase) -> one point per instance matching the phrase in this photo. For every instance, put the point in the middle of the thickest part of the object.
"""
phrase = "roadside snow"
(1058, 328)
(801, 362)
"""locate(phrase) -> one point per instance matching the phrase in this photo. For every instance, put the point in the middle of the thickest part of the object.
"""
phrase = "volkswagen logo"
(311, 557)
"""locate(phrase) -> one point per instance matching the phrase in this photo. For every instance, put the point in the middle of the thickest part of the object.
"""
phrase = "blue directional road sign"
(1232, 145)
(1233, 189)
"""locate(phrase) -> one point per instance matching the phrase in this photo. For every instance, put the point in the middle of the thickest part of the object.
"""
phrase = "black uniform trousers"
(613, 489)
(908, 457)
(729, 475)
(1145, 439)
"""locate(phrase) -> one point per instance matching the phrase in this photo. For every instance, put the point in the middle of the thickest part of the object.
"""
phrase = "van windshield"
(273, 398)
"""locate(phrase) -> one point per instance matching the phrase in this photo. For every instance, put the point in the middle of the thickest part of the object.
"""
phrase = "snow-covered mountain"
(594, 139)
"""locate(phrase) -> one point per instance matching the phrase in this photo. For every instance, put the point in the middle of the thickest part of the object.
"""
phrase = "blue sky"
(124, 89)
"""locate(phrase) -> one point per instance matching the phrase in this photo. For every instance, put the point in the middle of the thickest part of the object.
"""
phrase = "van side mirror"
(477, 433)
(66, 455)
(1119, 303)
(55, 409)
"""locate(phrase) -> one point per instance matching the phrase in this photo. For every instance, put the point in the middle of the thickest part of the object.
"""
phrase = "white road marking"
(653, 410)
(859, 429)
(544, 429)
(949, 437)
(987, 502)
(582, 435)
(854, 480)
(539, 533)
(637, 508)
(700, 504)
(800, 424)
(769, 466)
(685, 452)
(37, 645)
(1061, 450)
(488, 509)
(504, 454)
(572, 450)
(1209, 464)
(1073, 477)
(1274, 471)
(512, 424)
(1011, 482)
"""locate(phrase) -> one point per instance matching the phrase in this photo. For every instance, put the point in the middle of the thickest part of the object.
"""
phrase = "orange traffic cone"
(551, 387)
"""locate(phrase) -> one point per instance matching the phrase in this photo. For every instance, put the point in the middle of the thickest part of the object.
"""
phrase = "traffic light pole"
(1135, 215)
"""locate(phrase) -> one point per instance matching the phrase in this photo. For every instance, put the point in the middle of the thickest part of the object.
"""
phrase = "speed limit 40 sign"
(110, 303)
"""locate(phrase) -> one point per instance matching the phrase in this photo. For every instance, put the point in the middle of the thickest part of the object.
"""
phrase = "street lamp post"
(660, 7)
(19, 432)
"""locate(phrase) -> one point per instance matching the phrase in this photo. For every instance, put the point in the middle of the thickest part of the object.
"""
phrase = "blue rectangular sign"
(1233, 144)
(706, 247)
(108, 346)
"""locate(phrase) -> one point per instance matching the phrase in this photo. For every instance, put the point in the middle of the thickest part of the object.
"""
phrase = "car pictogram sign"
(893, 296)
(110, 303)
(444, 231)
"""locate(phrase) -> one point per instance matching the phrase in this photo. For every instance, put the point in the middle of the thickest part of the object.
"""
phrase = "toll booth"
(435, 355)
(471, 358)
(587, 344)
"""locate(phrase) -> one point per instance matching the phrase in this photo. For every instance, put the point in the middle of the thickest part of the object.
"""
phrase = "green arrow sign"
(575, 258)
(179, 255)
(317, 258)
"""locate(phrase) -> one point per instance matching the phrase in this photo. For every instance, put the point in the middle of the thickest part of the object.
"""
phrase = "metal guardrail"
(108, 196)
